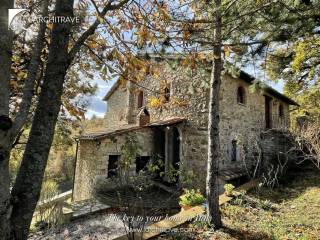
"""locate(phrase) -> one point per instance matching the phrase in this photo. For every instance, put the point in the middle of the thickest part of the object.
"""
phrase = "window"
(113, 165)
(140, 99)
(234, 151)
(281, 114)
(241, 95)
(167, 94)
(141, 163)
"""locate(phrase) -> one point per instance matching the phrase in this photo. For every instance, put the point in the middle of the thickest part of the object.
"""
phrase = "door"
(268, 112)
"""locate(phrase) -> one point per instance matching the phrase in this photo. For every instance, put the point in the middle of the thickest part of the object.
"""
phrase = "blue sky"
(97, 106)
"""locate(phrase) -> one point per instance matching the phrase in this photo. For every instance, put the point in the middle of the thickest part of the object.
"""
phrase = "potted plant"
(191, 198)
(228, 189)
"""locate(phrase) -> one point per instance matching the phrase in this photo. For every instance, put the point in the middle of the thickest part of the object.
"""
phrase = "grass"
(288, 212)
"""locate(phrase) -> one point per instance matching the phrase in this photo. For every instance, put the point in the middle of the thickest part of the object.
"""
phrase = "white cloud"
(97, 105)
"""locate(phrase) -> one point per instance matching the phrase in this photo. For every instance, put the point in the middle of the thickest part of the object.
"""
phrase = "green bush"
(191, 197)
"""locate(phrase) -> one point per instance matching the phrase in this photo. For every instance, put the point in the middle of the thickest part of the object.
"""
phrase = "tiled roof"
(128, 128)
(167, 122)
(108, 132)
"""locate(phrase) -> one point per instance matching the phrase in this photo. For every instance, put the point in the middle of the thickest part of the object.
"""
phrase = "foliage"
(298, 64)
(292, 216)
(61, 158)
(191, 197)
(130, 150)
(49, 190)
(229, 189)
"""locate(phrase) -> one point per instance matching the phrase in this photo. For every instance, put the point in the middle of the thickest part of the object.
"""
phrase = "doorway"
(176, 149)
(268, 112)
(172, 155)
(113, 165)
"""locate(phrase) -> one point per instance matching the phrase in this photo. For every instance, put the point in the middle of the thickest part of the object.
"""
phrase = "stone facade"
(94, 156)
(185, 95)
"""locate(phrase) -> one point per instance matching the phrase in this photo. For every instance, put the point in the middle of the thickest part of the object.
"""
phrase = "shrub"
(191, 197)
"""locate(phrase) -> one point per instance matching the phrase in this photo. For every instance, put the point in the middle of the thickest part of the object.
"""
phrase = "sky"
(97, 106)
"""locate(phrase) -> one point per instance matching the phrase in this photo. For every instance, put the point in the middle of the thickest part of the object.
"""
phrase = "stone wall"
(240, 122)
(94, 156)
(276, 146)
(189, 95)
(117, 108)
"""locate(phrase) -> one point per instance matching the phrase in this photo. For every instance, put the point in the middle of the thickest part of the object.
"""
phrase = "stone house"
(177, 129)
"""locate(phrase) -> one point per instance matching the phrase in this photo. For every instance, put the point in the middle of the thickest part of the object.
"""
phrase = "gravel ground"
(97, 226)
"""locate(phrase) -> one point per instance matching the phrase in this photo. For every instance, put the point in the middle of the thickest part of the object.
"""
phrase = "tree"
(298, 64)
(5, 121)
(247, 32)
(24, 199)
(109, 47)
(213, 123)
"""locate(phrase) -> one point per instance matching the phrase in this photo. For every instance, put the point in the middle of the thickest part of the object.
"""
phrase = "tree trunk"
(27, 188)
(213, 125)
(5, 208)
(5, 121)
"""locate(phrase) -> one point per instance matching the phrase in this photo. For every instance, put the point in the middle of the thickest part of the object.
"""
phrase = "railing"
(279, 122)
(50, 212)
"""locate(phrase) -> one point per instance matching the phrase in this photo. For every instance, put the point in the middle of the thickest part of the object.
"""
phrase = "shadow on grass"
(246, 235)
(295, 183)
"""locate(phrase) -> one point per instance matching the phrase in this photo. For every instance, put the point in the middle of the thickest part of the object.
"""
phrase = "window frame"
(140, 99)
(167, 94)
(281, 111)
(241, 95)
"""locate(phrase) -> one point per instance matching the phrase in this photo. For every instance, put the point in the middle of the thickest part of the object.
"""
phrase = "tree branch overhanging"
(91, 30)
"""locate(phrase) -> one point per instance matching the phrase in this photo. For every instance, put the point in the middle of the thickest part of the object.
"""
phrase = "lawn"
(291, 211)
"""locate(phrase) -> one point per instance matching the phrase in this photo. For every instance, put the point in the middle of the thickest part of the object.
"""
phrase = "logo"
(13, 12)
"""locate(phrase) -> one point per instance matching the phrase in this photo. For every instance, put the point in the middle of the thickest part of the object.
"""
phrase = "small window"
(140, 99)
(141, 163)
(234, 151)
(241, 95)
(113, 165)
(281, 114)
(167, 94)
